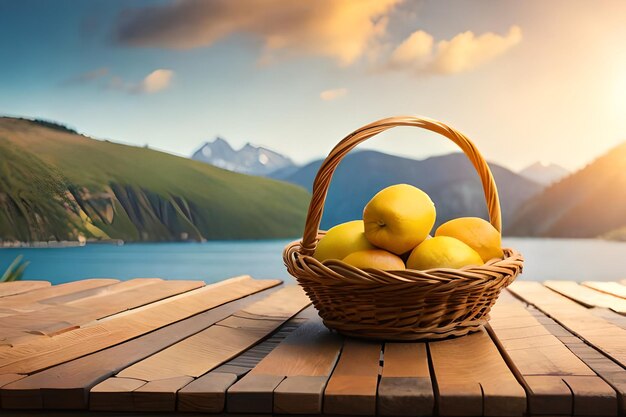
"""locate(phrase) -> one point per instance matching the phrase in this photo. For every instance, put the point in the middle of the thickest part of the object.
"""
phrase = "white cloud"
(467, 51)
(415, 49)
(329, 95)
(157, 80)
(339, 29)
(464, 52)
(346, 31)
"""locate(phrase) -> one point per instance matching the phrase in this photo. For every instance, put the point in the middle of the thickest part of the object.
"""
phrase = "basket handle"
(327, 169)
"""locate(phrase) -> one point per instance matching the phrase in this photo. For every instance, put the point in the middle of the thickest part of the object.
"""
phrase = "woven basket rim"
(340, 272)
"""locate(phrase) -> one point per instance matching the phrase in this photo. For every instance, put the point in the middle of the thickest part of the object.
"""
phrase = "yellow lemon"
(342, 240)
(375, 258)
(442, 252)
(399, 218)
(475, 232)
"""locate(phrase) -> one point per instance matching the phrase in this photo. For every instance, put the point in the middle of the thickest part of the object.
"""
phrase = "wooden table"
(257, 347)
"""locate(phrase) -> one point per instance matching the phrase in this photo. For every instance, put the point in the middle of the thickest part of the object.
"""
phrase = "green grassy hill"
(58, 185)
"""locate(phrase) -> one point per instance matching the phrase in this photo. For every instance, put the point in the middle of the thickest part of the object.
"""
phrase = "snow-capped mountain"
(250, 159)
(544, 174)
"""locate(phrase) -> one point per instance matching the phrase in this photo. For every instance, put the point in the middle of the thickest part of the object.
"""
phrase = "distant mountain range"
(247, 160)
(450, 180)
(56, 184)
(588, 203)
(541, 200)
(544, 174)
(59, 185)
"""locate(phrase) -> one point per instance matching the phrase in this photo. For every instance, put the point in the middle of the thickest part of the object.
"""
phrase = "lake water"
(571, 259)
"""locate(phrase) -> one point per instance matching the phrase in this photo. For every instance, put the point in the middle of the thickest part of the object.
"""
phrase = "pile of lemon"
(395, 234)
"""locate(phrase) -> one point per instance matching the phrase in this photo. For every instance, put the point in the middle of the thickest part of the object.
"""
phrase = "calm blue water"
(213, 261)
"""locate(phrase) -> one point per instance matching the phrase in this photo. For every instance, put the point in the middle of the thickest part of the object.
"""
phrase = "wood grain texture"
(40, 295)
(587, 296)
(43, 353)
(540, 358)
(59, 318)
(114, 394)
(473, 379)
(405, 388)
(548, 395)
(302, 364)
(67, 386)
(592, 396)
(100, 291)
(610, 316)
(283, 361)
(7, 379)
(253, 394)
(608, 370)
(18, 287)
(352, 387)
(608, 287)
(207, 394)
(534, 351)
(67, 299)
(605, 336)
(37, 300)
(220, 342)
(159, 395)
(243, 363)
(165, 373)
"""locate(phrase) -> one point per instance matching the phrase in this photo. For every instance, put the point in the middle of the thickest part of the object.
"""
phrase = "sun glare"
(619, 95)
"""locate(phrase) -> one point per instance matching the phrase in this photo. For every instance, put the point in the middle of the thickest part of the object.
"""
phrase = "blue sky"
(527, 81)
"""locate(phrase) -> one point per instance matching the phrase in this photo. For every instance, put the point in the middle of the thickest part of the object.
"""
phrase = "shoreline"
(59, 244)
(120, 242)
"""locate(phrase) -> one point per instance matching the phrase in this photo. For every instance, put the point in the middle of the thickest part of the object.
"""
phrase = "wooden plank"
(207, 394)
(100, 291)
(114, 394)
(54, 291)
(592, 396)
(541, 360)
(252, 393)
(473, 379)
(608, 287)
(536, 353)
(587, 296)
(78, 311)
(43, 353)
(67, 385)
(351, 389)
(405, 388)
(218, 343)
(18, 287)
(548, 395)
(243, 363)
(607, 337)
(20, 308)
(159, 395)
(607, 369)
(30, 301)
(301, 365)
(7, 379)
(33, 300)
(610, 316)
(207, 349)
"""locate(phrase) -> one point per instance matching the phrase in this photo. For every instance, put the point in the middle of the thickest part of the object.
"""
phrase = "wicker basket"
(399, 305)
